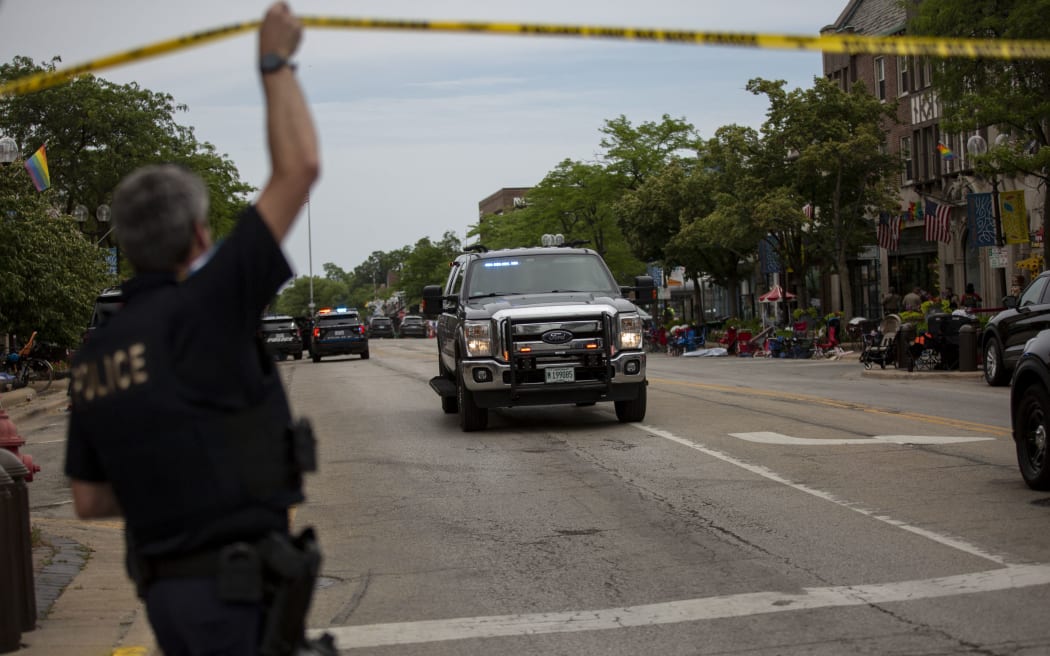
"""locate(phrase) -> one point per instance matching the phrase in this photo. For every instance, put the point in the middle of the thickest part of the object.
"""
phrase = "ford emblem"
(557, 336)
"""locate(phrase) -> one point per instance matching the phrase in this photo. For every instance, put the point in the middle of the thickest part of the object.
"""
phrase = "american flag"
(938, 222)
(807, 210)
(889, 231)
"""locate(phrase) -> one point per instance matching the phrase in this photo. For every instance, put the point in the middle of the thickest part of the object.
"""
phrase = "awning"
(775, 295)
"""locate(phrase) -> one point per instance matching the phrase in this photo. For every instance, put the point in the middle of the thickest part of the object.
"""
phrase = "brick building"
(926, 173)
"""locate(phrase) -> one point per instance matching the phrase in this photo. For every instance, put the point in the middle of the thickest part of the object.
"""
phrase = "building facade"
(935, 172)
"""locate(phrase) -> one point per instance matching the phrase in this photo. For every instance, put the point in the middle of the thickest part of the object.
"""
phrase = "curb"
(22, 404)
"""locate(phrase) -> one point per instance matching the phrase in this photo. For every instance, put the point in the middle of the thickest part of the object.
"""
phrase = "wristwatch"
(271, 62)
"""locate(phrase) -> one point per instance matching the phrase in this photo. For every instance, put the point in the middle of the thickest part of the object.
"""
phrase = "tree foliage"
(823, 146)
(96, 132)
(51, 272)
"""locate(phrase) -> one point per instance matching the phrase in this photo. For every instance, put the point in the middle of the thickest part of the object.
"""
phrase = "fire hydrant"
(10, 440)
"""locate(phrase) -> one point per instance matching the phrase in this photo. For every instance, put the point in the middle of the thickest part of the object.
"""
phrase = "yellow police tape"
(832, 43)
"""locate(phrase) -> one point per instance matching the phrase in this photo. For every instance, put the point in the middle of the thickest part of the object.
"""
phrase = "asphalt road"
(762, 507)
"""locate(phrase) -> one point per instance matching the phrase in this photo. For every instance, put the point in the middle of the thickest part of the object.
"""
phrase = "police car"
(281, 337)
(338, 331)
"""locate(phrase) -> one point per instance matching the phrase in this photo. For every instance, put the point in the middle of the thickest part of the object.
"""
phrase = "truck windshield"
(540, 273)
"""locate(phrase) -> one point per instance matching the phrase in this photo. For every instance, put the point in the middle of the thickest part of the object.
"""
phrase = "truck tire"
(471, 417)
(364, 355)
(628, 411)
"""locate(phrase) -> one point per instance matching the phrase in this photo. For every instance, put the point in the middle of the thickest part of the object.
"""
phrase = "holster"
(292, 565)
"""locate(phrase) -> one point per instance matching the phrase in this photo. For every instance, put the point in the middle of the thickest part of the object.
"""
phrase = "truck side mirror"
(644, 289)
(432, 300)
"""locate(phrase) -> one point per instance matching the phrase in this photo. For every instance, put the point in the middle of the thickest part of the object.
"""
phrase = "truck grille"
(532, 346)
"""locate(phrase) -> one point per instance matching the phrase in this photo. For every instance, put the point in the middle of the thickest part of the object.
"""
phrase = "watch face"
(271, 62)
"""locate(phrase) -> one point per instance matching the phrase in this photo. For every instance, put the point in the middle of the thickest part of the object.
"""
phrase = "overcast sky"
(416, 127)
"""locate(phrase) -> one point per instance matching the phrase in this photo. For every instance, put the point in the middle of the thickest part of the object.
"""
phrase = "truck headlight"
(630, 332)
(478, 338)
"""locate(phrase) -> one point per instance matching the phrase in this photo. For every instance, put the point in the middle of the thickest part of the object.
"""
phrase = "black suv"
(413, 326)
(380, 327)
(1004, 338)
(1030, 412)
(338, 331)
(107, 303)
(281, 337)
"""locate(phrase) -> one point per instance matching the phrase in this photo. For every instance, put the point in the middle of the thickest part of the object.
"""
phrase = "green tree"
(51, 273)
(576, 200)
(1012, 94)
(97, 132)
(294, 300)
(427, 264)
(635, 153)
(823, 146)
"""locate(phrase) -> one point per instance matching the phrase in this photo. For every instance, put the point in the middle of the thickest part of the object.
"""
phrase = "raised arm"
(294, 157)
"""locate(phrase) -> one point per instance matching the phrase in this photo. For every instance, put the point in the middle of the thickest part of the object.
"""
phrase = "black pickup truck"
(536, 326)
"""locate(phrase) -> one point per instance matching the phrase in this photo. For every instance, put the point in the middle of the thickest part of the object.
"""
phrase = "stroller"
(880, 345)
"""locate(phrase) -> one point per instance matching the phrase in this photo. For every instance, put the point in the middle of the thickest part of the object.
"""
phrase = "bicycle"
(27, 371)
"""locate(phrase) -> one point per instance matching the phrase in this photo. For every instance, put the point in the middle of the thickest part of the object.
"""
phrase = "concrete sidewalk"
(86, 605)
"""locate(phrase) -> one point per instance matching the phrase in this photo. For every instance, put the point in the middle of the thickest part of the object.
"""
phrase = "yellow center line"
(997, 431)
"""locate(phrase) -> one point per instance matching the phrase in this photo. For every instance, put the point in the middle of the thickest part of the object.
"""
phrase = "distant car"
(338, 331)
(413, 326)
(380, 327)
(1030, 411)
(107, 303)
(281, 337)
(1005, 335)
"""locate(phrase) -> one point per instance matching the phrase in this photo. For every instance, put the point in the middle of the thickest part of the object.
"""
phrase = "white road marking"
(954, 543)
(687, 610)
(767, 437)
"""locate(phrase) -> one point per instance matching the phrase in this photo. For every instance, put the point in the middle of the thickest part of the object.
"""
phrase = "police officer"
(179, 422)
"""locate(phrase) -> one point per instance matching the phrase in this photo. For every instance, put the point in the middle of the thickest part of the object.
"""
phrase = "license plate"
(560, 375)
(280, 338)
(338, 333)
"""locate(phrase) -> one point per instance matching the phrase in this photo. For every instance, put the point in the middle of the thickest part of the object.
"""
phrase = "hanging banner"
(767, 255)
(1014, 216)
(981, 218)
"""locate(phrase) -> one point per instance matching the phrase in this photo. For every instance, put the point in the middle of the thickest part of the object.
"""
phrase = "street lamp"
(8, 150)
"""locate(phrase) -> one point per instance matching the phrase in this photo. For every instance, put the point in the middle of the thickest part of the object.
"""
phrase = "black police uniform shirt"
(156, 393)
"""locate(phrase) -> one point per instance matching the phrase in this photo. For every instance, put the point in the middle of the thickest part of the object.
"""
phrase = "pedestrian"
(179, 423)
(912, 300)
(891, 302)
(949, 295)
(971, 299)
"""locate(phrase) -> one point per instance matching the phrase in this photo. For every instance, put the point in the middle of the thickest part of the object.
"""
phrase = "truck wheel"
(632, 410)
(364, 355)
(471, 417)
(315, 358)
(298, 356)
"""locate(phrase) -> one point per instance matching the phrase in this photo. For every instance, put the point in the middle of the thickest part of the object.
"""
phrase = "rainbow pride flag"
(37, 167)
(945, 151)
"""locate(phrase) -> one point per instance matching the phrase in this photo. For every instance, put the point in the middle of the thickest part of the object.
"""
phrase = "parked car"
(1004, 337)
(107, 303)
(380, 326)
(1030, 411)
(281, 337)
(413, 326)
